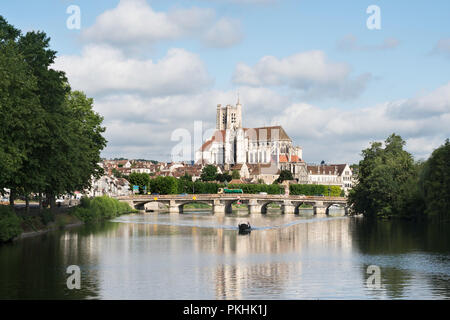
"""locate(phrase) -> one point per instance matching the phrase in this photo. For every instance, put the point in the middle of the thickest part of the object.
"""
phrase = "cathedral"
(232, 144)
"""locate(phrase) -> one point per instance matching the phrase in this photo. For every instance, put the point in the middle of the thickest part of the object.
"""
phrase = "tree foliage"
(314, 189)
(435, 182)
(139, 179)
(209, 173)
(387, 181)
(50, 137)
(285, 175)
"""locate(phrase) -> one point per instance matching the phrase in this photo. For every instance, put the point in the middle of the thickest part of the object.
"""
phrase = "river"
(197, 255)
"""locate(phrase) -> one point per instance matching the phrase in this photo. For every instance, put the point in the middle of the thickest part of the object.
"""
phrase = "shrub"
(9, 224)
(47, 216)
(100, 208)
(314, 189)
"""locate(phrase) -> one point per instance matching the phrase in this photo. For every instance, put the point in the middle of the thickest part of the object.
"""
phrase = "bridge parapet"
(221, 203)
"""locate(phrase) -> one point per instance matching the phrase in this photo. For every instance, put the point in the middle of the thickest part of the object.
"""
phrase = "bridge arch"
(181, 204)
(341, 205)
(299, 206)
(265, 204)
(229, 204)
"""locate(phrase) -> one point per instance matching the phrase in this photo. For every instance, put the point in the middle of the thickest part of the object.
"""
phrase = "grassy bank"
(100, 208)
(16, 223)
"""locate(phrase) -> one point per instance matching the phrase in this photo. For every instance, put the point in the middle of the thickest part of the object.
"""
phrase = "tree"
(382, 178)
(50, 145)
(285, 175)
(235, 174)
(209, 173)
(116, 173)
(51, 138)
(164, 185)
(435, 182)
(21, 116)
(222, 177)
(139, 179)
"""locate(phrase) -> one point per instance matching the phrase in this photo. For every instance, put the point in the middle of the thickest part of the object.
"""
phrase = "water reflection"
(201, 256)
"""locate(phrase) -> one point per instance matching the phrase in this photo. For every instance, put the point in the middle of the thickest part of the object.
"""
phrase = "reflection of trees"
(383, 238)
(35, 268)
(440, 285)
(394, 237)
(393, 282)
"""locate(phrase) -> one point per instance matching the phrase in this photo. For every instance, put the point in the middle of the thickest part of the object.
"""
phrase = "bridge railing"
(231, 196)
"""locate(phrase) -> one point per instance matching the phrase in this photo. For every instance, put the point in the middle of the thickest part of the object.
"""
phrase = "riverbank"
(54, 227)
(18, 222)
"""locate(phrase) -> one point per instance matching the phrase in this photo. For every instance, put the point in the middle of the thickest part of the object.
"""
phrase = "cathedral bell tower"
(229, 118)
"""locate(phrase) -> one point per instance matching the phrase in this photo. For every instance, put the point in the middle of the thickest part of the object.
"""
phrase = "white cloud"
(224, 33)
(442, 47)
(433, 104)
(337, 135)
(309, 72)
(134, 23)
(139, 126)
(351, 43)
(103, 69)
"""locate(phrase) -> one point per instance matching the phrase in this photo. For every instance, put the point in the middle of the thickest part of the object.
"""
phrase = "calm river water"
(200, 256)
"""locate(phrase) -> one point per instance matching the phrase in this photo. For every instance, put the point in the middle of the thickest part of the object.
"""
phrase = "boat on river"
(244, 228)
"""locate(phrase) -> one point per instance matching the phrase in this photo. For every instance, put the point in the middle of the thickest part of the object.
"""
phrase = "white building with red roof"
(232, 144)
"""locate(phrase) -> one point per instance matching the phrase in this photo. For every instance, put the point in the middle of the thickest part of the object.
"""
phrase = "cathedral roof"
(327, 169)
(262, 168)
(253, 134)
(265, 133)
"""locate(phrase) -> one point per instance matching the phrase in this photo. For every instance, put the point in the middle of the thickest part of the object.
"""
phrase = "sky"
(318, 68)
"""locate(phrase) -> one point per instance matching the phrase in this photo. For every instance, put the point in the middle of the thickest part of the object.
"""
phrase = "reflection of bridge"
(221, 203)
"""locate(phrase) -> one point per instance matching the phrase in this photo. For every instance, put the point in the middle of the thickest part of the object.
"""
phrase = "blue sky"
(371, 82)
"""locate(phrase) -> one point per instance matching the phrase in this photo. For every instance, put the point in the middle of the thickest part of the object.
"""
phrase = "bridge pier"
(218, 208)
(287, 207)
(130, 202)
(320, 211)
(254, 207)
(174, 207)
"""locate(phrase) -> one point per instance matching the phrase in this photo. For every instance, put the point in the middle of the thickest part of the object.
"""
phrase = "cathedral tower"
(229, 117)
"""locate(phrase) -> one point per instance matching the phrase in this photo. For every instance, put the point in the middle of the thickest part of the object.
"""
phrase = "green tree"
(235, 174)
(285, 175)
(209, 173)
(51, 139)
(222, 177)
(21, 116)
(116, 173)
(382, 176)
(139, 179)
(9, 224)
(435, 182)
(164, 185)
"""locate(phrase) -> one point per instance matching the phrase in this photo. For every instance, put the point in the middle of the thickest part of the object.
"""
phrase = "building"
(233, 144)
(109, 186)
(333, 174)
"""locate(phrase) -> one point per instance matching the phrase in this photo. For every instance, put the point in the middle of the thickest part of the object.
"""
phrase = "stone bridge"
(222, 203)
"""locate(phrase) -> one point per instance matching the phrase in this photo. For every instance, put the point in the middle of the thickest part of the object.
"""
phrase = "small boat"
(244, 228)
